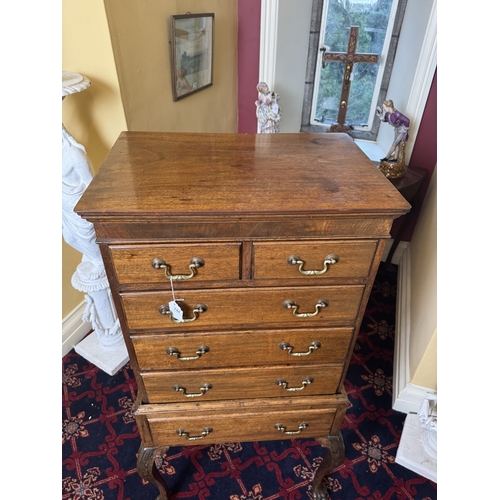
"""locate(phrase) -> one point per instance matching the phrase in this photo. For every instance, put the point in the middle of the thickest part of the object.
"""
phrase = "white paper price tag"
(175, 310)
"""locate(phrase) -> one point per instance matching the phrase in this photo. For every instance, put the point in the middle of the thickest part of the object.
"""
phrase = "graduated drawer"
(234, 383)
(133, 264)
(238, 421)
(240, 306)
(353, 259)
(246, 348)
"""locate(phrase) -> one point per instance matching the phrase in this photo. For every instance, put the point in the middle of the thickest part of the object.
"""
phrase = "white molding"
(406, 397)
(401, 372)
(74, 329)
(422, 82)
(410, 398)
(268, 41)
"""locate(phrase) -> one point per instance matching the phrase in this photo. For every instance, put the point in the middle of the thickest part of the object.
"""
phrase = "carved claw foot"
(147, 469)
(334, 457)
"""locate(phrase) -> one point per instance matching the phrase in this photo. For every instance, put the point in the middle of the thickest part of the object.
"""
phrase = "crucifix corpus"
(349, 58)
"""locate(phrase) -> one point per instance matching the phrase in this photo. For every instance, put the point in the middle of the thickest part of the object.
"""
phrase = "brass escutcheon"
(199, 309)
(282, 428)
(285, 346)
(196, 263)
(330, 260)
(283, 383)
(205, 432)
(290, 304)
(203, 389)
(173, 351)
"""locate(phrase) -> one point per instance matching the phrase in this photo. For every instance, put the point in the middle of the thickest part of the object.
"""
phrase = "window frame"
(314, 59)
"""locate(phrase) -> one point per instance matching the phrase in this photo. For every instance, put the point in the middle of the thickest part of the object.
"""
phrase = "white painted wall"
(294, 20)
(411, 41)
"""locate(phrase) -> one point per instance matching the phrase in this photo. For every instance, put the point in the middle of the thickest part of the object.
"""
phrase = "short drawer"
(234, 383)
(291, 307)
(245, 348)
(326, 259)
(205, 262)
(235, 421)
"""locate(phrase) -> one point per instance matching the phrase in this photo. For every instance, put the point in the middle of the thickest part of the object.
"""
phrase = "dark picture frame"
(191, 53)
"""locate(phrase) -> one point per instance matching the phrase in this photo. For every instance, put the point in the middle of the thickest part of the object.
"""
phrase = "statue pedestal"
(105, 346)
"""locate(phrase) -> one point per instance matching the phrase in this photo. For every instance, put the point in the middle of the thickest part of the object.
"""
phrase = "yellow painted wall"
(425, 375)
(95, 116)
(423, 293)
(139, 33)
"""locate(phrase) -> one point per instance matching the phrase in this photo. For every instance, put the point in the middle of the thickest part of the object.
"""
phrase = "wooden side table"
(408, 186)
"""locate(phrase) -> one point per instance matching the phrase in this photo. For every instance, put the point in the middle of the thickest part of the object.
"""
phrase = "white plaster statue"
(428, 422)
(105, 346)
(268, 110)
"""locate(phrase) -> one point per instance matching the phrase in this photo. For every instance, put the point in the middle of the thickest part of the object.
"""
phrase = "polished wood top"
(170, 174)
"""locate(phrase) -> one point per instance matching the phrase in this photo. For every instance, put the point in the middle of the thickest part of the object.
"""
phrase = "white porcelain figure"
(268, 110)
(105, 346)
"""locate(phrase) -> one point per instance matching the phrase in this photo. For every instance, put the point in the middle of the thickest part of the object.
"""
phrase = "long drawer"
(290, 307)
(239, 420)
(181, 351)
(208, 261)
(325, 259)
(235, 383)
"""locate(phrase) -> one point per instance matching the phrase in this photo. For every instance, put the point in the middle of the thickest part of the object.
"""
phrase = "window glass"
(373, 17)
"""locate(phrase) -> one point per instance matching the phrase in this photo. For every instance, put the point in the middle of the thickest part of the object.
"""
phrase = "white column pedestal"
(105, 346)
(110, 362)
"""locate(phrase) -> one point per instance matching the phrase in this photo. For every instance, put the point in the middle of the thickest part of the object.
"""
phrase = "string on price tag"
(175, 310)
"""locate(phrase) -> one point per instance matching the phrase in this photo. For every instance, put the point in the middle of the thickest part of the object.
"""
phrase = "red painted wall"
(424, 155)
(248, 63)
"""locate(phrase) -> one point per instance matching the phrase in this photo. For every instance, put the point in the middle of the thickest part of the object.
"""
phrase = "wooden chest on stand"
(240, 266)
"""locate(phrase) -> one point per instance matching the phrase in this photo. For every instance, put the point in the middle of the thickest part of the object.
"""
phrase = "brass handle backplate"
(290, 304)
(196, 263)
(285, 346)
(282, 428)
(283, 383)
(203, 389)
(173, 351)
(206, 431)
(199, 309)
(295, 260)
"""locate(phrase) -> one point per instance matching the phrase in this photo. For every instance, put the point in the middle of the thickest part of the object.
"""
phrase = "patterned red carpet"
(100, 439)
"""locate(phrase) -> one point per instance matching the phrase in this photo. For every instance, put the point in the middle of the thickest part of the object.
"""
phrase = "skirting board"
(406, 397)
(74, 329)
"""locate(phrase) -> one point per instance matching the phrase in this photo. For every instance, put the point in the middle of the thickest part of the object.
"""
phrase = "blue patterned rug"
(100, 439)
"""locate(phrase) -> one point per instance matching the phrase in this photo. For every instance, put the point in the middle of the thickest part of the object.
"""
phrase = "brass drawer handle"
(205, 432)
(173, 351)
(285, 346)
(196, 262)
(295, 260)
(200, 308)
(290, 304)
(282, 428)
(204, 388)
(283, 383)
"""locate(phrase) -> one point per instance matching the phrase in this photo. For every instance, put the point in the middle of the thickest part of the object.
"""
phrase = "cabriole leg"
(147, 469)
(334, 457)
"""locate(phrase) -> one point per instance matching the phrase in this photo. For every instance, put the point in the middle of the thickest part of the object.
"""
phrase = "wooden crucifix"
(349, 58)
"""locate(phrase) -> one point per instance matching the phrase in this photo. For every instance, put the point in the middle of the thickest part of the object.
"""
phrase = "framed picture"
(191, 51)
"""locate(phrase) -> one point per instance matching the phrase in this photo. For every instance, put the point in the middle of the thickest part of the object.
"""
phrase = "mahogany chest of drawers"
(240, 266)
